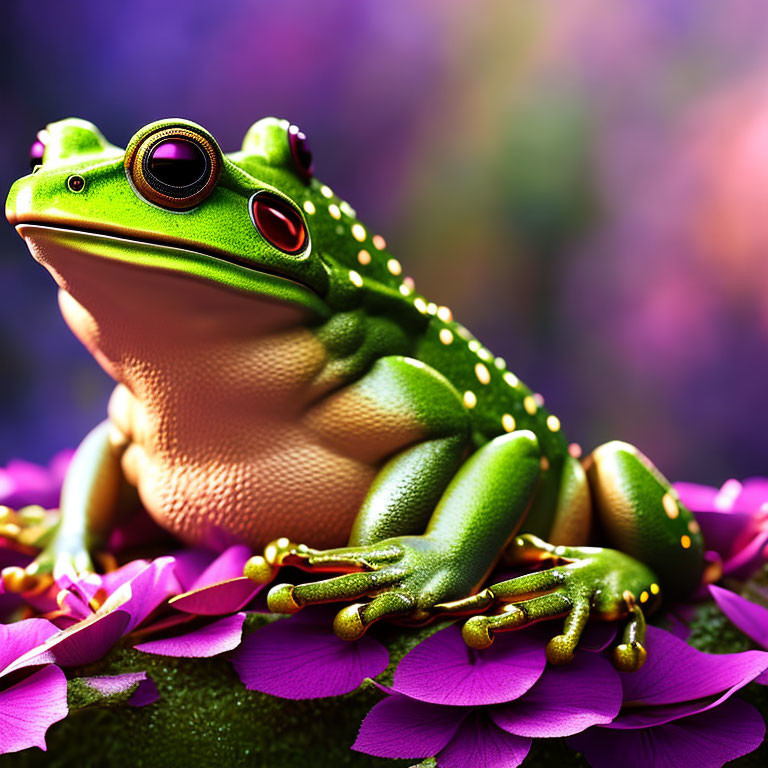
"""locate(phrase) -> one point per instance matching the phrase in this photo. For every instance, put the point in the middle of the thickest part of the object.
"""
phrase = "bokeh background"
(584, 183)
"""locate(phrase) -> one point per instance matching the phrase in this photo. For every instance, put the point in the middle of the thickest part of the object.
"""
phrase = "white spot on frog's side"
(364, 257)
(553, 423)
(474, 345)
(445, 314)
(464, 333)
(347, 209)
(379, 243)
(500, 363)
(326, 191)
(410, 283)
(431, 308)
(358, 232)
(355, 278)
(511, 379)
(485, 354)
(470, 399)
(405, 290)
(420, 305)
(309, 207)
(446, 336)
(670, 506)
(333, 209)
(482, 373)
(393, 265)
(529, 403)
(508, 422)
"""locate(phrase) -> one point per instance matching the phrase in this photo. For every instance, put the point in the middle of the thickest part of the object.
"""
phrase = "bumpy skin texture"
(310, 392)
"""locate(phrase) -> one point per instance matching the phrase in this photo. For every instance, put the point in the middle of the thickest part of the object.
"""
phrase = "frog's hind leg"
(641, 514)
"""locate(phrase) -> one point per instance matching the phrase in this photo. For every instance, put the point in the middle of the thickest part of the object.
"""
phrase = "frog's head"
(255, 221)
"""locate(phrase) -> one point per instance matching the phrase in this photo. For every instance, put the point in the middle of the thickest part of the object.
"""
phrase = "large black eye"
(300, 152)
(280, 224)
(175, 167)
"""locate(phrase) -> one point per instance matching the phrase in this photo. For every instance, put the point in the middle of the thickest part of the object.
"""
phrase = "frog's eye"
(300, 152)
(175, 167)
(279, 222)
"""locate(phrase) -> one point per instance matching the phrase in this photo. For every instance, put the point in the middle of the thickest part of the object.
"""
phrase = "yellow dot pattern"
(364, 257)
(529, 403)
(334, 210)
(355, 278)
(446, 337)
(508, 422)
(655, 589)
(309, 207)
(482, 373)
(358, 232)
(470, 399)
(644, 597)
(670, 506)
(685, 541)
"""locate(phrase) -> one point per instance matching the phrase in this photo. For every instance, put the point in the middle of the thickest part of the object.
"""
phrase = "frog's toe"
(352, 622)
(478, 631)
(289, 598)
(630, 654)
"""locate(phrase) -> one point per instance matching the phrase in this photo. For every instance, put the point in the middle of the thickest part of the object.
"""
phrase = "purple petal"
(113, 580)
(598, 635)
(400, 727)
(30, 707)
(217, 599)
(301, 658)
(190, 563)
(80, 644)
(565, 700)
(750, 558)
(144, 592)
(479, 742)
(443, 670)
(708, 740)
(20, 636)
(675, 672)
(228, 565)
(750, 618)
(211, 640)
(697, 497)
(722, 530)
(109, 685)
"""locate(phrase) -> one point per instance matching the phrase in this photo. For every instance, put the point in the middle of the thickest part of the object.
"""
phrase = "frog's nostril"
(36, 152)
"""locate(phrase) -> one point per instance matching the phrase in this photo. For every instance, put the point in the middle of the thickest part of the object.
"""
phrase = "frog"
(280, 383)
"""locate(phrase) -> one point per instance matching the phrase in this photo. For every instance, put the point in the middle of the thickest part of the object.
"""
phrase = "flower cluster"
(461, 706)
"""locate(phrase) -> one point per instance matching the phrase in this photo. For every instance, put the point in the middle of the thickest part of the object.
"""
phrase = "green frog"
(281, 384)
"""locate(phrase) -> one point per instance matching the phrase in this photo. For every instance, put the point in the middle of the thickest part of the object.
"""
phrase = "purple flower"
(29, 707)
(471, 707)
(734, 521)
(300, 658)
(678, 711)
(22, 482)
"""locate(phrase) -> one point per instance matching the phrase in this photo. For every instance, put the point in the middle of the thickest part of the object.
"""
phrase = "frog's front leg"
(661, 553)
(89, 498)
(468, 514)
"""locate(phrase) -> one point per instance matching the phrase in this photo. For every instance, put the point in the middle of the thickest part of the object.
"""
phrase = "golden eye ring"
(174, 167)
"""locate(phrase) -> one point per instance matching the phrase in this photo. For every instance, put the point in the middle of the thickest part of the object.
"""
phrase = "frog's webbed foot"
(407, 578)
(33, 528)
(583, 581)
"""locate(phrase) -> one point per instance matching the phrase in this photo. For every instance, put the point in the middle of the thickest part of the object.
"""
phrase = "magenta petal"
(228, 565)
(217, 599)
(722, 530)
(30, 707)
(114, 579)
(565, 700)
(301, 658)
(189, 564)
(20, 636)
(144, 592)
(750, 618)
(675, 672)
(109, 685)
(443, 670)
(697, 497)
(210, 640)
(708, 740)
(400, 727)
(479, 742)
(751, 557)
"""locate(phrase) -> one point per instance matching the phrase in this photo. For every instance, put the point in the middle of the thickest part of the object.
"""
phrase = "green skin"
(489, 474)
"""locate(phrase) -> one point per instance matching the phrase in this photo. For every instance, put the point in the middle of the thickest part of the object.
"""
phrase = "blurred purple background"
(583, 183)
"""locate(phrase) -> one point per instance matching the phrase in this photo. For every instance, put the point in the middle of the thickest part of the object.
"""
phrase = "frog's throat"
(43, 240)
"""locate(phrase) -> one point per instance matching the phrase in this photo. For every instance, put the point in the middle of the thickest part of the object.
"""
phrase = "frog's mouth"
(50, 245)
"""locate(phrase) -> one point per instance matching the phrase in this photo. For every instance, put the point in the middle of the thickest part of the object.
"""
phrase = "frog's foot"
(603, 583)
(409, 579)
(57, 561)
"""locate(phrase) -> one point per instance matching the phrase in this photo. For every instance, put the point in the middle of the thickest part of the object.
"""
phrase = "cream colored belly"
(278, 480)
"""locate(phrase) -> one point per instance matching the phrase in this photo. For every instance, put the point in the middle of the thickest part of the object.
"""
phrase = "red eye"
(279, 223)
